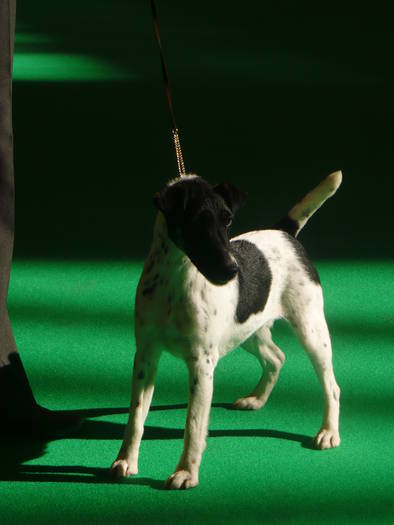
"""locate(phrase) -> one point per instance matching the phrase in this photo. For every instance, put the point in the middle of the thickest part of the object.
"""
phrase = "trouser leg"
(15, 392)
(18, 410)
(7, 25)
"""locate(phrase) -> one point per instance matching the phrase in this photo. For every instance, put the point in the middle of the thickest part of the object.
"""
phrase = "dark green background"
(270, 98)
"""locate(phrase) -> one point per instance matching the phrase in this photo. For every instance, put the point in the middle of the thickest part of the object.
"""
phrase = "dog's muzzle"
(227, 273)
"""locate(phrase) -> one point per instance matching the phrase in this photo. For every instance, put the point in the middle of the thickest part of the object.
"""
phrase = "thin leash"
(174, 127)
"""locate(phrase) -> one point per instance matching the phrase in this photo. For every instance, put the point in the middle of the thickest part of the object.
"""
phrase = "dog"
(201, 295)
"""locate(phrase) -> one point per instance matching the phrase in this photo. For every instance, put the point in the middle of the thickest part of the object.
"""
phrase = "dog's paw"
(248, 403)
(182, 479)
(121, 469)
(326, 438)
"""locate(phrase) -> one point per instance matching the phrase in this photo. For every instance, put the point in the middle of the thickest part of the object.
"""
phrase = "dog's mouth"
(216, 263)
(220, 282)
(224, 277)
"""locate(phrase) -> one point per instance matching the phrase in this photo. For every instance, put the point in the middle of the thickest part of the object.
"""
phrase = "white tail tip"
(335, 180)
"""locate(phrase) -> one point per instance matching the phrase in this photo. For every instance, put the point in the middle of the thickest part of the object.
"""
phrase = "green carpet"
(74, 327)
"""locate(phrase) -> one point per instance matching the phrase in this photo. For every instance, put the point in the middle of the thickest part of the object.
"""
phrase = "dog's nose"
(232, 268)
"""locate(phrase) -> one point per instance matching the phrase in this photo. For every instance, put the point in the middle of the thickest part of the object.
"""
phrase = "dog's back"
(275, 278)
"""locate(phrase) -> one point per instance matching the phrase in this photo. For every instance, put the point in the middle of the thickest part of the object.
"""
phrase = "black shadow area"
(92, 429)
(17, 452)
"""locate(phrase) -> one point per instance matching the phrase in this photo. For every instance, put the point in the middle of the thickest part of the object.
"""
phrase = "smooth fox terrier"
(201, 295)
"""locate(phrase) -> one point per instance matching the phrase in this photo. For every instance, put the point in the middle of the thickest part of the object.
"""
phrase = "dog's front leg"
(144, 372)
(201, 371)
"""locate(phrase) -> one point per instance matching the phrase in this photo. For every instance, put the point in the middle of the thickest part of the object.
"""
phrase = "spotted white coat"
(179, 310)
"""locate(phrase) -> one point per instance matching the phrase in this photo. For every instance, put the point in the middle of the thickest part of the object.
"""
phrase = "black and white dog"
(201, 295)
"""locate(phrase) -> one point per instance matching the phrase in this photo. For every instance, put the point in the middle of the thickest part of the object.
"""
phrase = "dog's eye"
(227, 218)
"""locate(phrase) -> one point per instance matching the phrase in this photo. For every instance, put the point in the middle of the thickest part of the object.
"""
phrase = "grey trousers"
(16, 396)
(7, 30)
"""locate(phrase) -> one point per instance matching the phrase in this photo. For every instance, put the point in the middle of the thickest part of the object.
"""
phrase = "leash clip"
(178, 153)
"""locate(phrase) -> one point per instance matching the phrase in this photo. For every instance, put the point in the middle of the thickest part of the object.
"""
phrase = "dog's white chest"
(180, 308)
(166, 302)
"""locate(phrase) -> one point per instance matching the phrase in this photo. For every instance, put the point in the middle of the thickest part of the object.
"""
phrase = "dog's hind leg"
(144, 372)
(201, 369)
(311, 327)
(271, 359)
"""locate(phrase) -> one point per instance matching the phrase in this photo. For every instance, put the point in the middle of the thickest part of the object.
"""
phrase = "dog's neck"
(164, 254)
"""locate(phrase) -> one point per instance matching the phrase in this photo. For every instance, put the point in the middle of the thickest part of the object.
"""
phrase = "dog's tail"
(299, 215)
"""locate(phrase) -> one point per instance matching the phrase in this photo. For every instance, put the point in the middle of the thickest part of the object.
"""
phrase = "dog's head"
(198, 216)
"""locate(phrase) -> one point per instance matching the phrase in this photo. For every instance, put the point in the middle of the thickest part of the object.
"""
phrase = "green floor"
(74, 326)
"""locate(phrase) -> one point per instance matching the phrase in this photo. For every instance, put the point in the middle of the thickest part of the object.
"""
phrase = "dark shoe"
(41, 423)
(20, 415)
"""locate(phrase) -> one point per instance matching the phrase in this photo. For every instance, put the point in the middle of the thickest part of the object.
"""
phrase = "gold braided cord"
(178, 153)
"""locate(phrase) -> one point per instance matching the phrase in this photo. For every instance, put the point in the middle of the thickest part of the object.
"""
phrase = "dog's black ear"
(234, 197)
(171, 201)
(158, 201)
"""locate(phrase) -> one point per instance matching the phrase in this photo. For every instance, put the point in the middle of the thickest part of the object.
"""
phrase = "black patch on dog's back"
(304, 259)
(254, 278)
(288, 225)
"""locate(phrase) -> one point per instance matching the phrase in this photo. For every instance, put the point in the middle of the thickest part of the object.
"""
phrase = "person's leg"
(8, 351)
(18, 410)
(7, 20)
